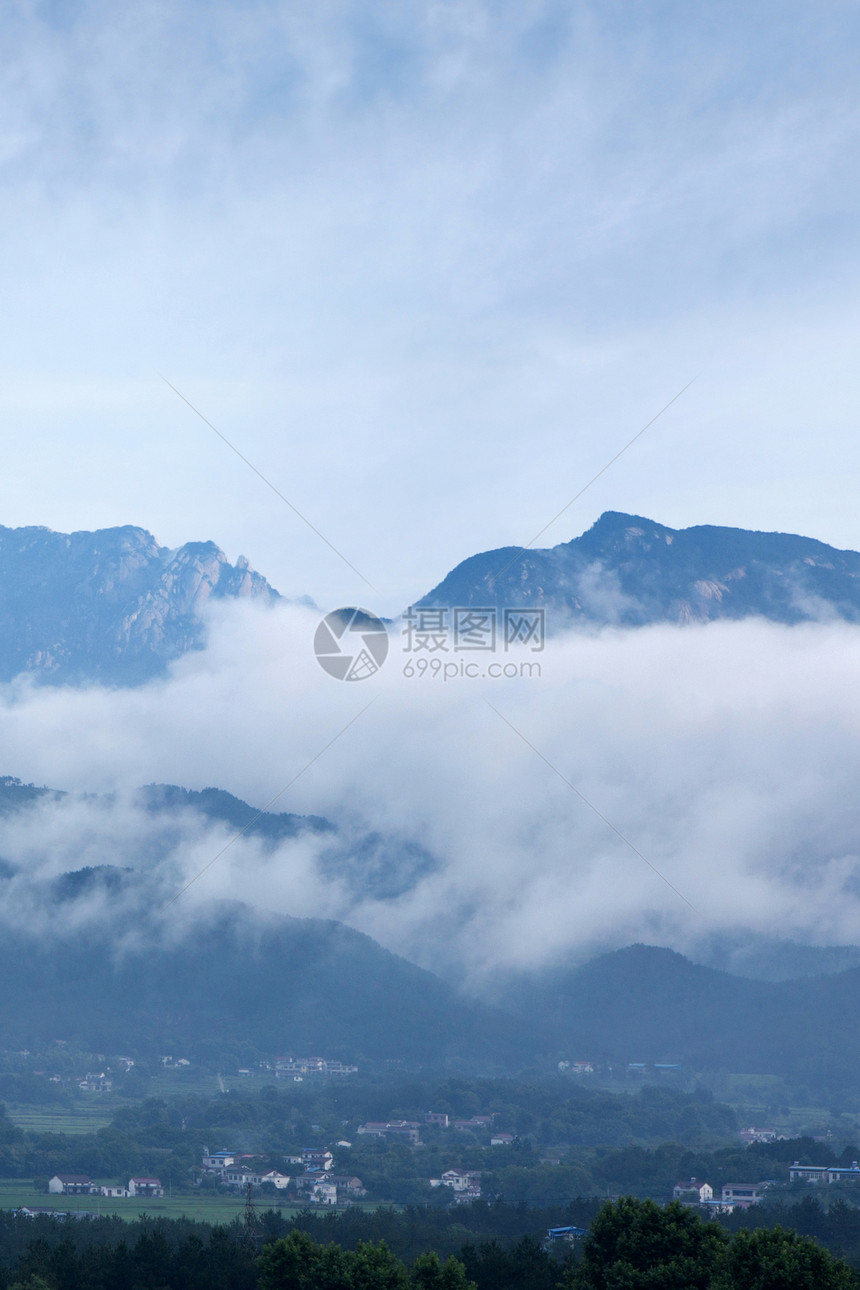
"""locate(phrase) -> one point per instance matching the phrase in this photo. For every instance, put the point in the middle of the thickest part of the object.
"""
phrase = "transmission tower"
(253, 1235)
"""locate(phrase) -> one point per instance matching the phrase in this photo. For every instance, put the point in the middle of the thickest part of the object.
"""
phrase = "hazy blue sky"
(428, 265)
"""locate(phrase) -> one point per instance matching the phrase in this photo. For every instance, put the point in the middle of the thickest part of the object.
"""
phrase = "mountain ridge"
(114, 606)
(650, 1004)
(630, 571)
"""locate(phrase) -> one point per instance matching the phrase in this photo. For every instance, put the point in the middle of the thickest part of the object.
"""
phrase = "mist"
(725, 754)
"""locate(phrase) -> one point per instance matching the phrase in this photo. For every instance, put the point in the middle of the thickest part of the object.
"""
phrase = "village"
(739, 1196)
(308, 1177)
(316, 1176)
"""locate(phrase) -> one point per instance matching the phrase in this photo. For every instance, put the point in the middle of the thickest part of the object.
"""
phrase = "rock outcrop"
(111, 606)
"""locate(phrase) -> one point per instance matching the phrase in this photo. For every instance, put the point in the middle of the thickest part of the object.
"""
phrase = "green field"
(63, 1120)
(208, 1209)
(17, 1192)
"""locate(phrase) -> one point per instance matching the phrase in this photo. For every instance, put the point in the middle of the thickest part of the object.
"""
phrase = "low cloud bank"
(727, 755)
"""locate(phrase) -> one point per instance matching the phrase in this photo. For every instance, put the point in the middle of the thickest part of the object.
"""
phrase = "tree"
(639, 1245)
(374, 1267)
(298, 1263)
(429, 1273)
(494, 1267)
(771, 1258)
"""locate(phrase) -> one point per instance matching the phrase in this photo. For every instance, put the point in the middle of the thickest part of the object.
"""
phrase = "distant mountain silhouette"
(113, 973)
(237, 982)
(629, 571)
(112, 605)
(648, 1004)
(766, 959)
(216, 804)
(382, 866)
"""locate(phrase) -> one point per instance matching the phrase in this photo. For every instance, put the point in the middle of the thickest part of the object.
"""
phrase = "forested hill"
(630, 571)
(232, 985)
(648, 1004)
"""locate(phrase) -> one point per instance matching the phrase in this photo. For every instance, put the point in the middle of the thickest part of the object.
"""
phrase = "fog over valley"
(724, 753)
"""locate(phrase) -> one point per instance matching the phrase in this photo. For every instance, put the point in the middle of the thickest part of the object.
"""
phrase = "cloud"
(726, 754)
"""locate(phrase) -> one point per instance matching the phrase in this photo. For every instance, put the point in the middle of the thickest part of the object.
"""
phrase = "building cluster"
(96, 1082)
(743, 1195)
(410, 1130)
(234, 1170)
(396, 1130)
(317, 1183)
(631, 1069)
(732, 1195)
(823, 1173)
(760, 1135)
(299, 1068)
(81, 1185)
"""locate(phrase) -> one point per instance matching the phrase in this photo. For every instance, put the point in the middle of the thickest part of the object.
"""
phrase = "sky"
(427, 266)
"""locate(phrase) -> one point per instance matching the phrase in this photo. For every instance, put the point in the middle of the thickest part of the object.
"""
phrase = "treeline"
(384, 1251)
(836, 1225)
(653, 1171)
(551, 1109)
(408, 1232)
(518, 1173)
(633, 1244)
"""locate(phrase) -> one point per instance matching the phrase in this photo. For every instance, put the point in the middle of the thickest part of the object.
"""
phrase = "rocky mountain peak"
(112, 605)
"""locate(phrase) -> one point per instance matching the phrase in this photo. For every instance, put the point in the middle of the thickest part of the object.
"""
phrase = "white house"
(70, 1185)
(218, 1159)
(458, 1180)
(324, 1194)
(406, 1130)
(241, 1176)
(145, 1187)
(742, 1195)
(693, 1192)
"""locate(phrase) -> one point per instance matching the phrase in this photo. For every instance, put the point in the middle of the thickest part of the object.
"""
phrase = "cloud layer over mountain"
(726, 754)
